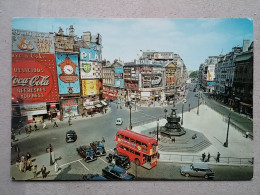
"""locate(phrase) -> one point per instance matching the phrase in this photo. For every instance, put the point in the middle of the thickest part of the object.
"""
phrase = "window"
(137, 153)
(138, 142)
(125, 148)
(144, 145)
(127, 138)
(120, 146)
(144, 150)
(122, 136)
(132, 151)
(132, 140)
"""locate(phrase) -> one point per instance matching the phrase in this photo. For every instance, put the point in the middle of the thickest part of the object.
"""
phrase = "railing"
(198, 159)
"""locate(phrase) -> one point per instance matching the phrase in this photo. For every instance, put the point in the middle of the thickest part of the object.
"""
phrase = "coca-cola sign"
(34, 77)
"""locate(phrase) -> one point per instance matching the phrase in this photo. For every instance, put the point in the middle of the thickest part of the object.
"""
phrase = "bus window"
(132, 151)
(117, 135)
(132, 140)
(144, 145)
(125, 148)
(144, 150)
(127, 138)
(121, 147)
(138, 142)
(122, 136)
(137, 153)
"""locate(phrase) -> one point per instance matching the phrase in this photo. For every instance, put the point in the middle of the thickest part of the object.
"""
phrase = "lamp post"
(165, 111)
(50, 150)
(189, 107)
(130, 107)
(182, 112)
(226, 143)
(157, 130)
(198, 104)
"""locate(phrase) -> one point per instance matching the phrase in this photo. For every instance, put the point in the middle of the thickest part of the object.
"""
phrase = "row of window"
(129, 150)
(132, 140)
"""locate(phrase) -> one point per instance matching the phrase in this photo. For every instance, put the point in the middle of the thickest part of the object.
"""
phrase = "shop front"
(70, 107)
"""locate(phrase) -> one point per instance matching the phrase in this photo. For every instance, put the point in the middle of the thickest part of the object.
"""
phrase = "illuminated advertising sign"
(90, 70)
(163, 55)
(34, 77)
(92, 54)
(90, 87)
(70, 107)
(33, 42)
(68, 73)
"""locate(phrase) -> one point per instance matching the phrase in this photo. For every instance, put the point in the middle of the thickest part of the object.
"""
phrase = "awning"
(104, 103)
(98, 105)
(89, 107)
(245, 104)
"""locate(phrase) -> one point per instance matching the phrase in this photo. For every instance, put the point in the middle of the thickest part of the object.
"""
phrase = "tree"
(194, 74)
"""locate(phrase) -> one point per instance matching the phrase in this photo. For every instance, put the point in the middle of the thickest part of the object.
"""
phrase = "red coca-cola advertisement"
(34, 77)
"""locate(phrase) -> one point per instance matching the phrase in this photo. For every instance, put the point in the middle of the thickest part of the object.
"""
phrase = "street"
(93, 129)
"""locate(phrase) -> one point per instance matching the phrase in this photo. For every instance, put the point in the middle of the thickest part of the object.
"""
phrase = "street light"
(198, 104)
(182, 112)
(130, 107)
(226, 143)
(157, 129)
(50, 150)
(165, 111)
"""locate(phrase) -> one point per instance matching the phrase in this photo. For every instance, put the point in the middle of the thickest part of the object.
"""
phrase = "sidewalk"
(213, 126)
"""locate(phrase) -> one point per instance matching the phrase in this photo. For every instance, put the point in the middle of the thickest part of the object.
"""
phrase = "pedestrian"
(208, 157)
(203, 156)
(35, 127)
(30, 128)
(28, 156)
(55, 124)
(43, 170)
(69, 122)
(218, 155)
(34, 171)
(247, 134)
(173, 139)
(44, 126)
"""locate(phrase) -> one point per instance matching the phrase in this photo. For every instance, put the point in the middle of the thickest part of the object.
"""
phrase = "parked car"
(119, 160)
(71, 136)
(198, 170)
(114, 172)
(119, 121)
(98, 148)
(87, 153)
(94, 177)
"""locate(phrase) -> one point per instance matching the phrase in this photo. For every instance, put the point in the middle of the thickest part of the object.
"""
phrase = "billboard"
(90, 70)
(34, 77)
(91, 54)
(70, 107)
(68, 73)
(33, 109)
(33, 42)
(163, 55)
(90, 87)
(151, 80)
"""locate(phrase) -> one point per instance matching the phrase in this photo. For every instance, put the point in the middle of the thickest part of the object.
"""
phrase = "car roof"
(70, 131)
(201, 165)
(119, 119)
(117, 169)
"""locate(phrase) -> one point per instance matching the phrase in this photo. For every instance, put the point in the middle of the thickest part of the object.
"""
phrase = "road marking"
(83, 165)
(71, 162)
(103, 160)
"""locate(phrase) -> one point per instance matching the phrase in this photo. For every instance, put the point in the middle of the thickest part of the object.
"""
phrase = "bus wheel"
(137, 162)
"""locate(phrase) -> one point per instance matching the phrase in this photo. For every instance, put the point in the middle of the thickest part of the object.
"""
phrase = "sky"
(193, 39)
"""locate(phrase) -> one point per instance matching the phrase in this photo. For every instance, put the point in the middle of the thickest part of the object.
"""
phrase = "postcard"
(132, 99)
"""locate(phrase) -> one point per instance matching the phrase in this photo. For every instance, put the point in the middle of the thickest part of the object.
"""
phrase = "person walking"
(30, 128)
(218, 156)
(69, 122)
(35, 127)
(203, 156)
(173, 139)
(44, 126)
(34, 171)
(55, 124)
(208, 157)
(43, 170)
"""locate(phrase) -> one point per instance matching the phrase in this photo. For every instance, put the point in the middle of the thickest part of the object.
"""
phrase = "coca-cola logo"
(34, 81)
(31, 81)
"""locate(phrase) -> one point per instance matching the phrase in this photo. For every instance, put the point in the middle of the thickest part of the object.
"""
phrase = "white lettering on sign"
(37, 80)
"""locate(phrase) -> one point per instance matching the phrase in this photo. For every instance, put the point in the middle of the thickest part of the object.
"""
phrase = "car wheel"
(206, 176)
(137, 162)
(187, 174)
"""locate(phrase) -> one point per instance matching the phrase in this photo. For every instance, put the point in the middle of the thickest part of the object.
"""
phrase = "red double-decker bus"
(140, 149)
